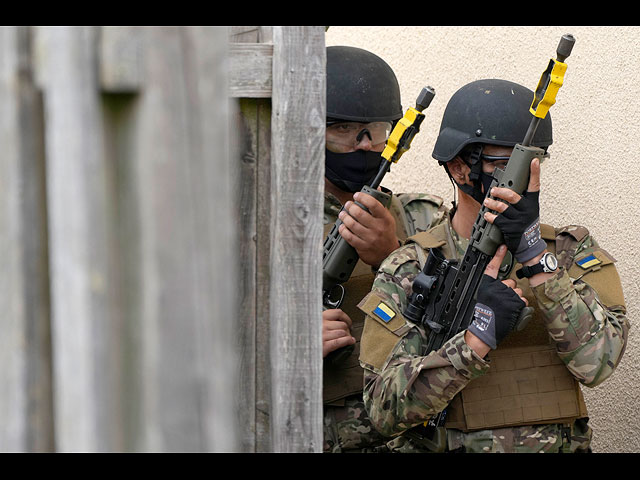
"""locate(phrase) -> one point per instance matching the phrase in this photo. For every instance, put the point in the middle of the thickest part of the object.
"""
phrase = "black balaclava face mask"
(351, 171)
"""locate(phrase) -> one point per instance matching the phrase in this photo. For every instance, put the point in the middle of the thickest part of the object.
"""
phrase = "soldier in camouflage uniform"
(502, 391)
(363, 104)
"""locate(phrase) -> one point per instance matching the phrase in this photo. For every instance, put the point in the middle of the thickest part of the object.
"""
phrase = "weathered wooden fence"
(160, 281)
(278, 75)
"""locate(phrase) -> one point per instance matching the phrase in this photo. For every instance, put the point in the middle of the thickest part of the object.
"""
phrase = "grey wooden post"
(143, 271)
(297, 122)
(278, 74)
(187, 265)
(25, 364)
(251, 80)
(78, 207)
(135, 240)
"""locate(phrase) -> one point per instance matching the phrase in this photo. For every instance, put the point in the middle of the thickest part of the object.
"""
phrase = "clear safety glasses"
(498, 161)
(501, 161)
(350, 134)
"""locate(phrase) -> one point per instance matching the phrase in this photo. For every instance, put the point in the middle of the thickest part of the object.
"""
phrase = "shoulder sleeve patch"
(596, 267)
(588, 261)
(383, 312)
(384, 327)
(593, 258)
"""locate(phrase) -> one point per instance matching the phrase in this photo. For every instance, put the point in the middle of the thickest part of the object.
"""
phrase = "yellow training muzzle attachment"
(548, 86)
(400, 139)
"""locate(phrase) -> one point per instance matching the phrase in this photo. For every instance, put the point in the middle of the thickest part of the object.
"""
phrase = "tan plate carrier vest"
(527, 383)
(347, 378)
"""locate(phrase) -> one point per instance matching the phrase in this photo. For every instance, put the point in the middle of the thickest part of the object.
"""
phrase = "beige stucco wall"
(593, 175)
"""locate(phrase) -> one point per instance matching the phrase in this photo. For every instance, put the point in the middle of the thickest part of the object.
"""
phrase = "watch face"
(550, 262)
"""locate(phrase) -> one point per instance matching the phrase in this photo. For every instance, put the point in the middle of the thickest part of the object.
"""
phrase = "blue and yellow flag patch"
(384, 312)
(588, 261)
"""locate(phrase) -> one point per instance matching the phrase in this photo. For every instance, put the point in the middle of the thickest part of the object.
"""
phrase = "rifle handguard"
(485, 236)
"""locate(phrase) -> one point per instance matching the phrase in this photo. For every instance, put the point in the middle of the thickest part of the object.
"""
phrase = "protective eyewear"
(350, 134)
(494, 158)
(499, 158)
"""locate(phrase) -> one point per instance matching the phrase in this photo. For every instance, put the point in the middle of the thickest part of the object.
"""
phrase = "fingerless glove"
(496, 312)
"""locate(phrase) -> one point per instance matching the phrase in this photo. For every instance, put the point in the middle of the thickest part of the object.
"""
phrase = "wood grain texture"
(298, 120)
(161, 238)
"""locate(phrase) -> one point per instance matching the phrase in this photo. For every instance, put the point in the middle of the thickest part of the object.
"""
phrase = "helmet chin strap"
(476, 175)
(476, 172)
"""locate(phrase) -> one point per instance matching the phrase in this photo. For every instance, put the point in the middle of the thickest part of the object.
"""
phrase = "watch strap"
(529, 271)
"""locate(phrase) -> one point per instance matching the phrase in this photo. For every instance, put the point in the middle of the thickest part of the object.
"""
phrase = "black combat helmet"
(361, 87)
(489, 111)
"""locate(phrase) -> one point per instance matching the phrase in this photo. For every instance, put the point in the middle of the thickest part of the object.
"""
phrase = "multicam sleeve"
(423, 210)
(411, 387)
(590, 337)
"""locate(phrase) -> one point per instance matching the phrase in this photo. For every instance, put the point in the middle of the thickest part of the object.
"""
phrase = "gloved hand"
(520, 225)
(519, 219)
(497, 309)
(496, 312)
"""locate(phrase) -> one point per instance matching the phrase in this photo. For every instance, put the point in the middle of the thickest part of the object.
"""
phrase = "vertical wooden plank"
(247, 341)
(298, 121)
(79, 235)
(187, 264)
(12, 356)
(254, 206)
(254, 202)
(118, 122)
(263, 369)
(35, 261)
(212, 179)
(247, 125)
(25, 402)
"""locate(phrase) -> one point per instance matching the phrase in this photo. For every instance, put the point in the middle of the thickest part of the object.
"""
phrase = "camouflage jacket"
(410, 386)
(346, 424)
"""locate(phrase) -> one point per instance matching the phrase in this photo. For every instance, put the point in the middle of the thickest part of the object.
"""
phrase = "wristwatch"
(548, 264)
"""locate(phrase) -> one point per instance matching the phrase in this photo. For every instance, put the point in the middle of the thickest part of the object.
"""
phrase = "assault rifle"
(338, 257)
(444, 292)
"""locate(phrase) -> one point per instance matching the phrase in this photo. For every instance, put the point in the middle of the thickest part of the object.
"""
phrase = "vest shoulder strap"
(418, 211)
(434, 238)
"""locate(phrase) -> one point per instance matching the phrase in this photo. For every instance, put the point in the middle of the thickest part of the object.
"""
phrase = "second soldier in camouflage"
(523, 395)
